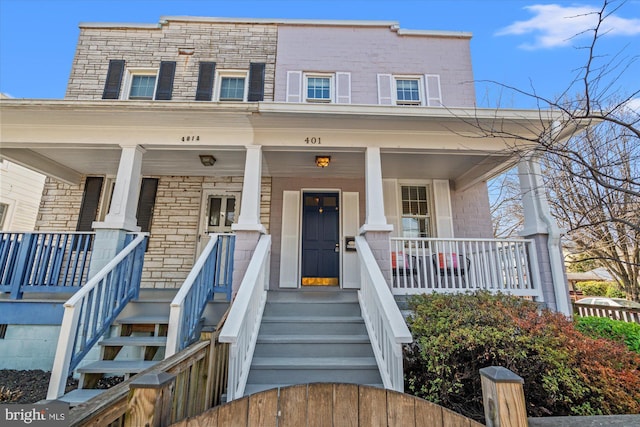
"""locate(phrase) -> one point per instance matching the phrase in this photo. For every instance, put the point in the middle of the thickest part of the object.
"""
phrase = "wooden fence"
(616, 313)
(329, 405)
(198, 380)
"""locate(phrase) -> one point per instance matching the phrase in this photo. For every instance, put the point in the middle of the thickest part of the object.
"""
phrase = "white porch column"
(376, 230)
(540, 226)
(111, 233)
(248, 228)
(375, 219)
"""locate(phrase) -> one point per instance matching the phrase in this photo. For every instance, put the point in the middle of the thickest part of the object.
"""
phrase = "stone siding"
(471, 213)
(232, 46)
(59, 206)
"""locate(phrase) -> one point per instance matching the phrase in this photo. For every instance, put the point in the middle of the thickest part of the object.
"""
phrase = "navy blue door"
(320, 239)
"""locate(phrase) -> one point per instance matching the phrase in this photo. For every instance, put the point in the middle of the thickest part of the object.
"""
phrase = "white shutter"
(350, 227)
(390, 196)
(443, 215)
(343, 88)
(434, 95)
(294, 86)
(290, 239)
(385, 89)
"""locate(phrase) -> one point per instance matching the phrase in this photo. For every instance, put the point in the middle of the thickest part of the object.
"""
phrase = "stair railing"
(385, 324)
(88, 314)
(212, 272)
(243, 323)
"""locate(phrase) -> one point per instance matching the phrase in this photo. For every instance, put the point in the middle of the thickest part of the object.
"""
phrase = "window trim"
(4, 214)
(332, 88)
(217, 84)
(421, 91)
(431, 213)
(131, 73)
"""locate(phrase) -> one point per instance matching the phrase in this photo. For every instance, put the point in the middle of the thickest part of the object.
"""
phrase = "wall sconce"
(322, 161)
(207, 160)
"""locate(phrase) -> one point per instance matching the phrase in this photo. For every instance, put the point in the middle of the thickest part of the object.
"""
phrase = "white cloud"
(554, 25)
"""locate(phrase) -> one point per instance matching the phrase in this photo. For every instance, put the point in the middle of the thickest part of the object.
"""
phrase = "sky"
(532, 45)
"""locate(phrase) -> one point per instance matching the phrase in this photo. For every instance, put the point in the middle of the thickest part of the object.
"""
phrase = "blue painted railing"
(43, 262)
(88, 314)
(212, 273)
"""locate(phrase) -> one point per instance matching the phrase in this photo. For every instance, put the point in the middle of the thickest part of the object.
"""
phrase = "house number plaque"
(312, 140)
(190, 138)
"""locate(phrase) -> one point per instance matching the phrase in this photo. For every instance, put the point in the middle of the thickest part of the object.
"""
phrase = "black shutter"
(114, 79)
(146, 202)
(90, 203)
(206, 74)
(165, 80)
(256, 82)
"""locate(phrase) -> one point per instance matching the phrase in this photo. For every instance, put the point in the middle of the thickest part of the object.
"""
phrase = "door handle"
(337, 249)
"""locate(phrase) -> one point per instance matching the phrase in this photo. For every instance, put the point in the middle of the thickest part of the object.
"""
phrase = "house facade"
(314, 133)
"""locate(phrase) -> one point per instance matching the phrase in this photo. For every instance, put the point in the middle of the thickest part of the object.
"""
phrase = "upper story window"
(139, 83)
(416, 211)
(314, 87)
(408, 91)
(232, 86)
(142, 86)
(420, 90)
(318, 88)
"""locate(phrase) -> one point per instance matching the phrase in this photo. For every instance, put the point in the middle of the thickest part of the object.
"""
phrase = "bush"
(615, 330)
(564, 371)
(593, 288)
(614, 291)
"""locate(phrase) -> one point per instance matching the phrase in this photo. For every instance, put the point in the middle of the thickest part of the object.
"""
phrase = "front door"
(219, 210)
(320, 239)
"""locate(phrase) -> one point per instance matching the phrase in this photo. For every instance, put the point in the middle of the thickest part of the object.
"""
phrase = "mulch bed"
(31, 386)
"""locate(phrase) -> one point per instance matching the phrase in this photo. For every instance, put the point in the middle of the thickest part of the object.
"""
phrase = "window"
(222, 213)
(408, 91)
(416, 221)
(4, 208)
(231, 86)
(231, 89)
(141, 84)
(318, 88)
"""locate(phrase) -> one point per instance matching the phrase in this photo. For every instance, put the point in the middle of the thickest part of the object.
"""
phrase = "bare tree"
(593, 176)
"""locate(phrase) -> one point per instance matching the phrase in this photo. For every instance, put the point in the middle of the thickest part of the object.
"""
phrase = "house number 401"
(313, 140)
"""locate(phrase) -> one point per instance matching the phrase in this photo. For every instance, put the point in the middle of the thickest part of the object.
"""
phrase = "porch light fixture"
(207, 160)
(322, 161)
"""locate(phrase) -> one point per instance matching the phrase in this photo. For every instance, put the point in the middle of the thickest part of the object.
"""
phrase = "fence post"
(150, 399)
(503, 398)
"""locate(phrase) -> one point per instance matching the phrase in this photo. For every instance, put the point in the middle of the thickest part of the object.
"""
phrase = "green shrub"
(564, 371)
(614, 291)
(593, 288)
(616, 330)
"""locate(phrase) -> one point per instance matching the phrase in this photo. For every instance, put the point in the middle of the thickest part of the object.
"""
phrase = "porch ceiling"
(68, 139)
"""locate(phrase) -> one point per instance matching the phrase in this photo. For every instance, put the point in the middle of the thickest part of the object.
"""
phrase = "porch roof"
(69, 138)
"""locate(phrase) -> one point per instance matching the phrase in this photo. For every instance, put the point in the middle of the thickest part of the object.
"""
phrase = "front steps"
(136, 342)
(311, 336)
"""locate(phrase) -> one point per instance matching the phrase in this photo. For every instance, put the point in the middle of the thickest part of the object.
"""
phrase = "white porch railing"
(631, 315)
(243, 322)
(423, 265)
(88, 314)
(385, 325)
(212, 272)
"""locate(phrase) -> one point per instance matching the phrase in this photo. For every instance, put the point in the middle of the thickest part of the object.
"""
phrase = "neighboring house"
(341, 155)
(20, 195)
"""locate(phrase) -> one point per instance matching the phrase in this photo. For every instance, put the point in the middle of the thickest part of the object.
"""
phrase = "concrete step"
(257, 388)
(157, 319)
(321, 296)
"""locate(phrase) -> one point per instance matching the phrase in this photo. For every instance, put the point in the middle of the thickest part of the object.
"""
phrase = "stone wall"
(232, 46)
